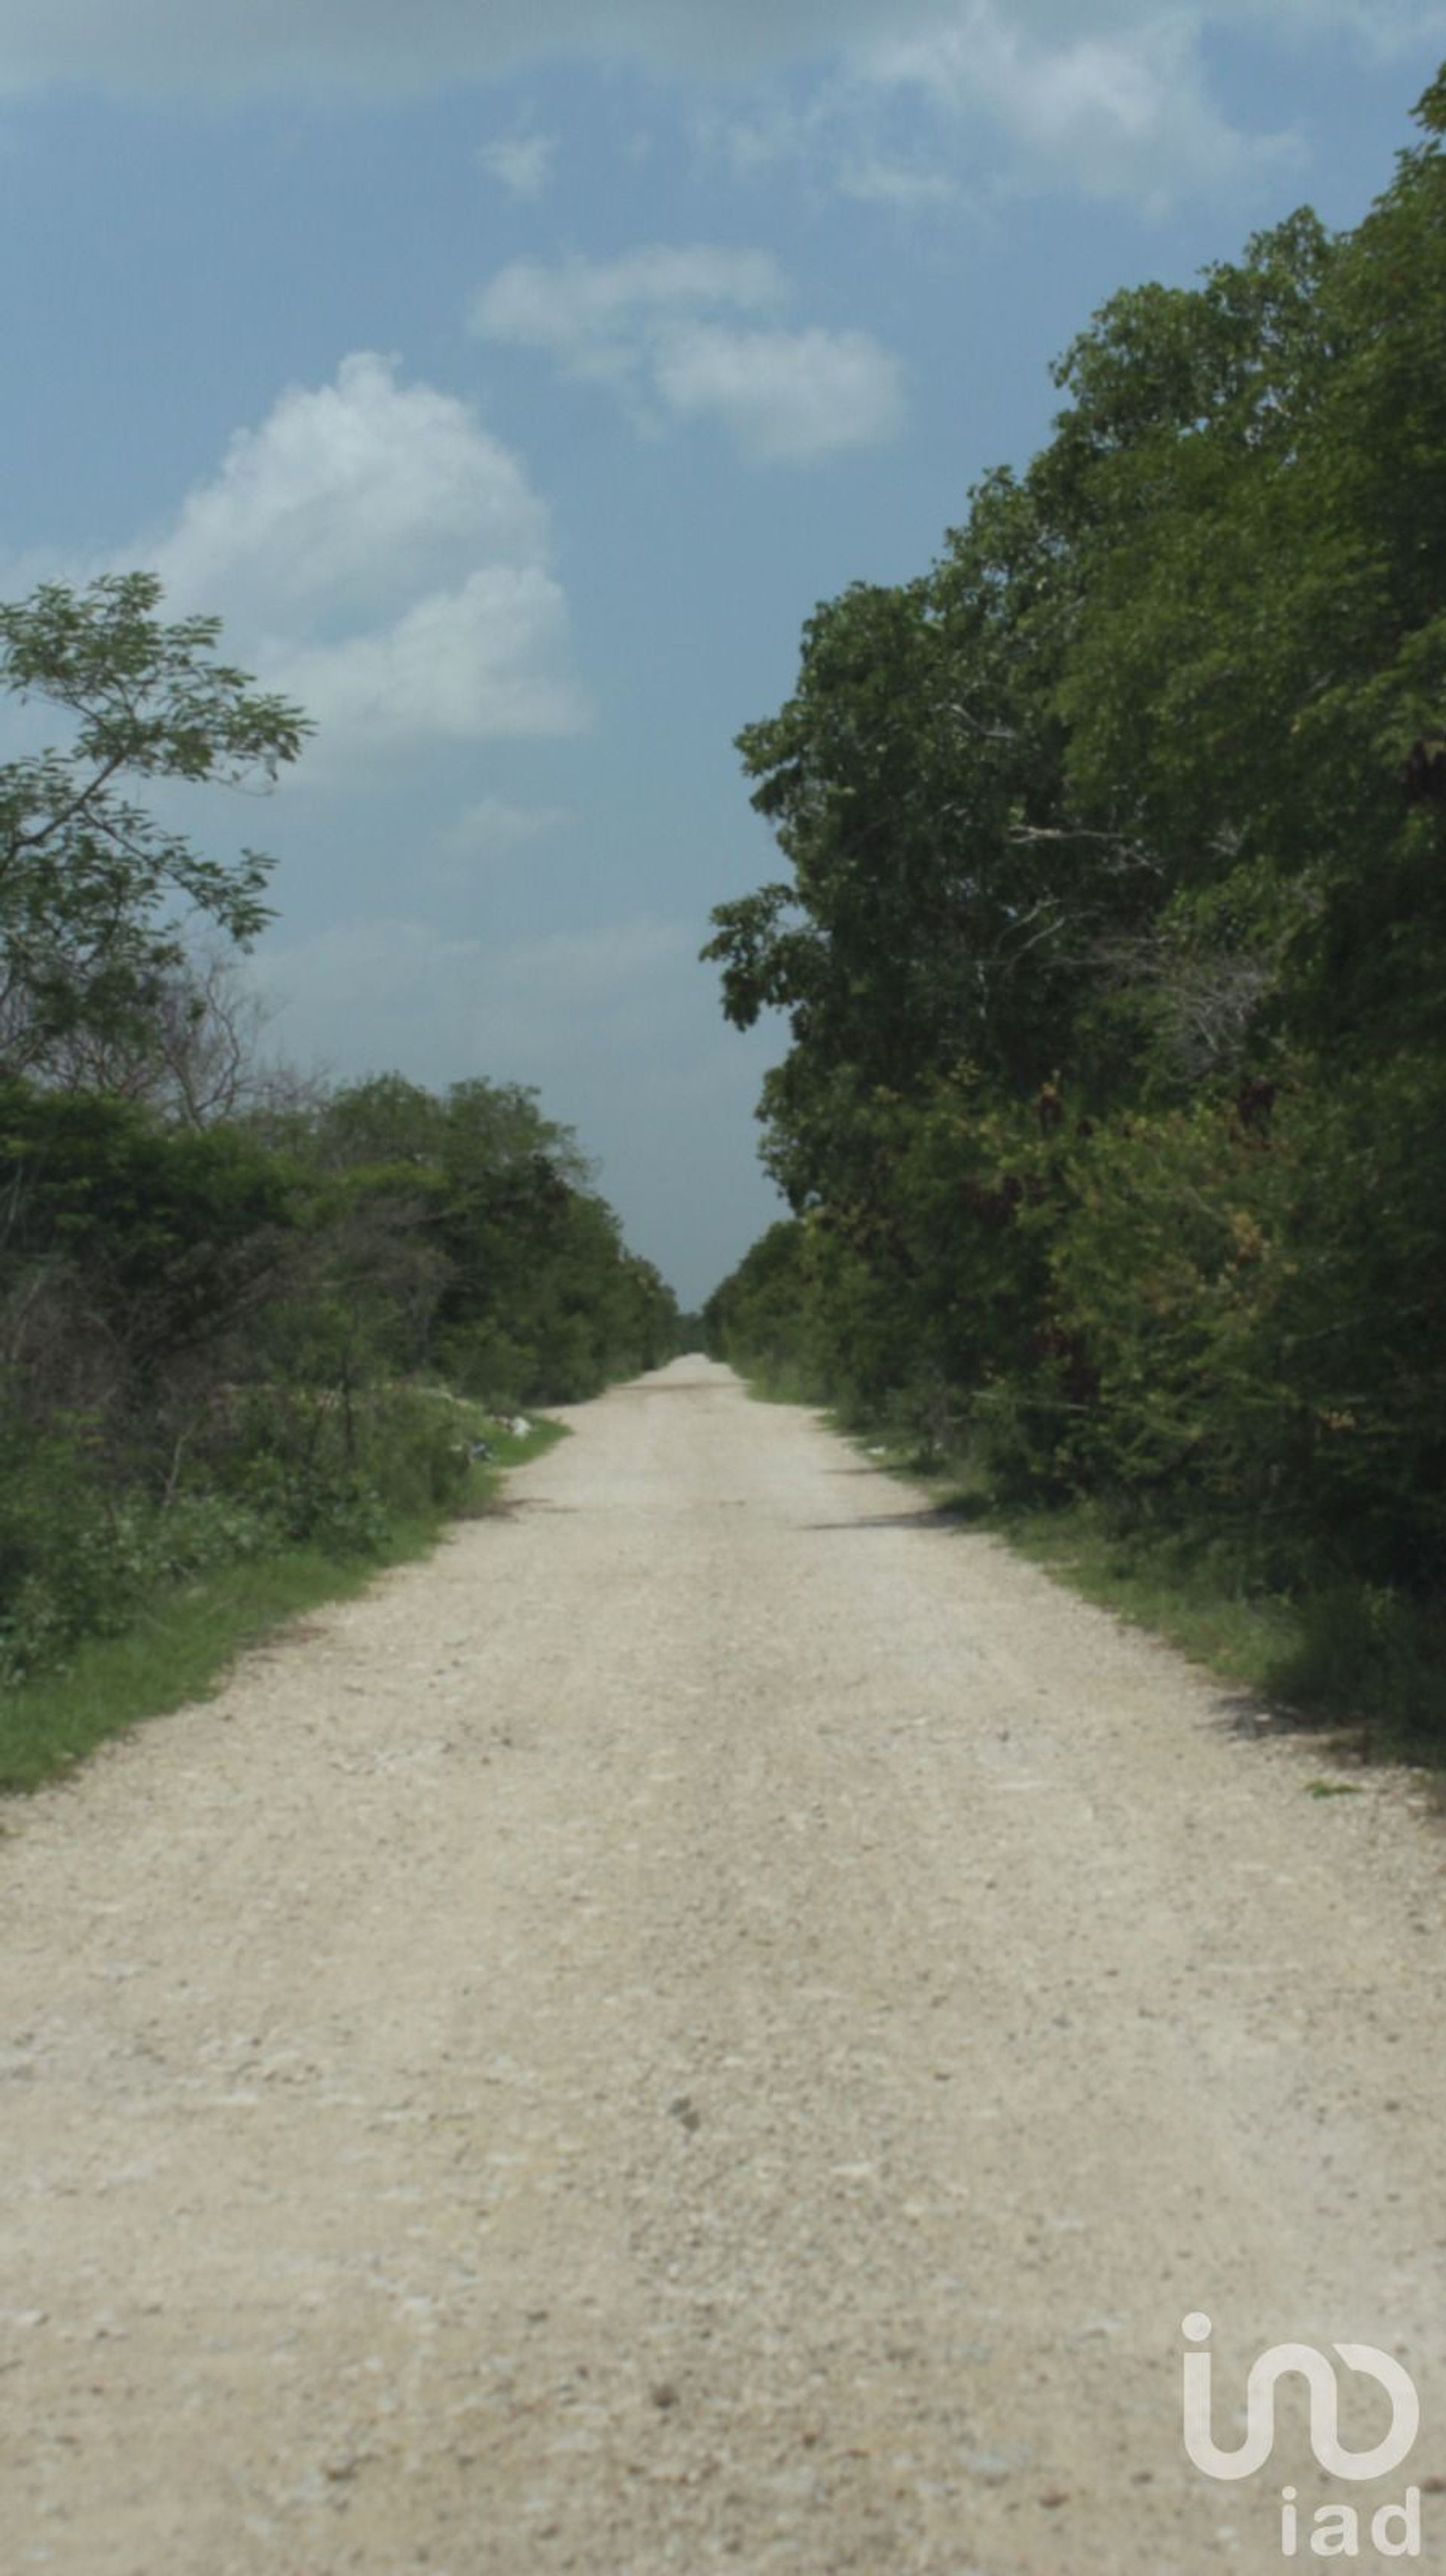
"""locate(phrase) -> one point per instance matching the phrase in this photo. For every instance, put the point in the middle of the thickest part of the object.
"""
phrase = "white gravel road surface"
(719, 2023)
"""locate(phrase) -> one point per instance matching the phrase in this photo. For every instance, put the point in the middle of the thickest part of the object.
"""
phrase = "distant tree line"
(1112, 937)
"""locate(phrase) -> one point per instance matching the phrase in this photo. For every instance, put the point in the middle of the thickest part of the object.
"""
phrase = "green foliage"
(77, 1561)
(92, 886)
(504, 1270)
(179, 1638)
(214, 1347)
(1114, 936)
(759, 1317)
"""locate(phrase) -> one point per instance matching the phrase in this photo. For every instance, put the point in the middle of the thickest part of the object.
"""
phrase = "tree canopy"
(94, 888)
(1112, 937)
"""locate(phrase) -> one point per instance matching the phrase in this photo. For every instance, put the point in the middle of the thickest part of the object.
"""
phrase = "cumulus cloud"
(644, 324)
(840, 137)
(1122, 109)
(384, 559)
(475, 664)
(523, 164)
(786, 396)
(350, 493)
(593, 314)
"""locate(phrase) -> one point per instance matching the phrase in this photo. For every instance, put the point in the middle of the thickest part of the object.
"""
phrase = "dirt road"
(716, 2024)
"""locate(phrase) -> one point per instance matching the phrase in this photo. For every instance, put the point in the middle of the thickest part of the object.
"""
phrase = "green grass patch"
(1192, 1594)
(1366, 1664)
(780, 1382)
(188, 1635)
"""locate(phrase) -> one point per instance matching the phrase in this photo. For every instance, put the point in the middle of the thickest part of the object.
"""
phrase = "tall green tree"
(1113, 943)
(95, 889)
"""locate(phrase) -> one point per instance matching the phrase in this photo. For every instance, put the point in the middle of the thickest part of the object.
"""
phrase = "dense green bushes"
(1114, 938)
(223, 1343)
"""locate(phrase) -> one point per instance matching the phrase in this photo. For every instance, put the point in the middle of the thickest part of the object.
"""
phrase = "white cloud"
(350, 494)
(786, 396)
(640, 323)
(384, 559)
(476, 664)
(845, 135)
(1122, 109)
(593, 315)
(523, 164)
(1107, 97)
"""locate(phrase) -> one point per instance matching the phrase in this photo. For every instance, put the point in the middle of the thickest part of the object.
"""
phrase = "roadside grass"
(189, 1635)
(781, 1382)
(1194, 1598)
(1357, 1664)
(1361, 1667)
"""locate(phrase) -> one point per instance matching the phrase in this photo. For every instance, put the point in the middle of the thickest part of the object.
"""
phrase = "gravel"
(718, 2023)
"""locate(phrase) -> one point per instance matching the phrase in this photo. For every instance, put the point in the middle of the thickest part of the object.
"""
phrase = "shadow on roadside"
(931, 1516)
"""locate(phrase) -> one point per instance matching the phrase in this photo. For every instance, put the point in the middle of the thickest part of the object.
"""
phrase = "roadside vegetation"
(1113, 947)
(257, 1335)
(182, 1632)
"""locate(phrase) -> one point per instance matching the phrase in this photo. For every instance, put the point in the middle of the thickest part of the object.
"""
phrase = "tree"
(94, 889)
(1114, 939)
(197, 1058)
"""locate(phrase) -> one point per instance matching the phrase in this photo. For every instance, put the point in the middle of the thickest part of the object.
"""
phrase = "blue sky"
(514, 379)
